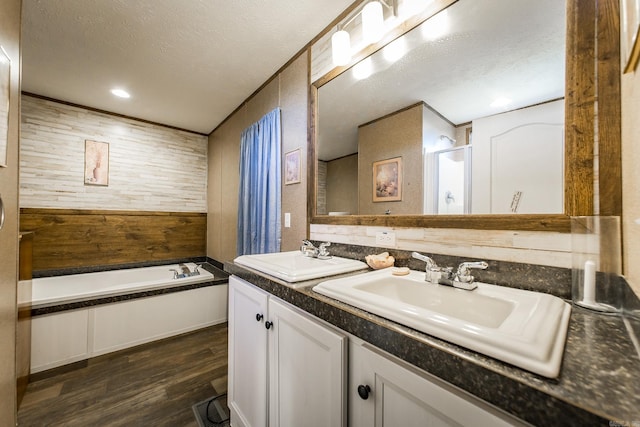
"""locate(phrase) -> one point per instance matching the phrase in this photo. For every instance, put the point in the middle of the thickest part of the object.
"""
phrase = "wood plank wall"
(73, 238)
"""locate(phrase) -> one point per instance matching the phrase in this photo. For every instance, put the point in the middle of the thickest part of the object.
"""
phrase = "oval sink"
(294, 267)
(526, 329)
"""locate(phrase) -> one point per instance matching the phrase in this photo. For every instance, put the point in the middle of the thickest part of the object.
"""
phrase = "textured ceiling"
(186, 63)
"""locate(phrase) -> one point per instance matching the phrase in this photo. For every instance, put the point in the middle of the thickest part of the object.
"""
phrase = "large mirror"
(464, 114)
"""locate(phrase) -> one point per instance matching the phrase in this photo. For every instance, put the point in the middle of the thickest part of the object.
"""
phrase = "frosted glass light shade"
(341, 48)
(372, 22)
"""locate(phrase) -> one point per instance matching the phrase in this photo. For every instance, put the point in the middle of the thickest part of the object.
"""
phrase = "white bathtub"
(79, 287)
(84, 328)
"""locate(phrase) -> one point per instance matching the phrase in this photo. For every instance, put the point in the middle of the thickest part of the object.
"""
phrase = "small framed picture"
(96, 163)
(630, 32)
(292, 167)
(387, 180)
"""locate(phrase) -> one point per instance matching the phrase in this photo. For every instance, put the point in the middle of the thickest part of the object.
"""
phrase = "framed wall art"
(629, 34)
(5, 87)
(292, 167)
(96, 163)
(387, 180)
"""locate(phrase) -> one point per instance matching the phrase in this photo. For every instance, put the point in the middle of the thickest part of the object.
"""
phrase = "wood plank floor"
(151, 385)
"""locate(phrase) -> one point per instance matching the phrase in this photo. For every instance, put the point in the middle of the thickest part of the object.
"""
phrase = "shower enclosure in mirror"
(448, 181)
(494, 66)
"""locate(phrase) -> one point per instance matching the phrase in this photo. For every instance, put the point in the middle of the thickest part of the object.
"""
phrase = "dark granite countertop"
(599, 382)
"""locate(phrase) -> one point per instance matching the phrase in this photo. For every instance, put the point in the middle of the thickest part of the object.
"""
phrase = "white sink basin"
(523, 328)
(295, 267)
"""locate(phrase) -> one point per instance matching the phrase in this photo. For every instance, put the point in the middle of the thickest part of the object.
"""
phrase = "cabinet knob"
(259, 317)
(363, 391)
(268, 324)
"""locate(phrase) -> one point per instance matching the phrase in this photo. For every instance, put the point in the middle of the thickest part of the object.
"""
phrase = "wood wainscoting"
(73, 238)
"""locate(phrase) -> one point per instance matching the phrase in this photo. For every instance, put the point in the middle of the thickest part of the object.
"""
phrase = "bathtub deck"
(153, 384)
(220, 277)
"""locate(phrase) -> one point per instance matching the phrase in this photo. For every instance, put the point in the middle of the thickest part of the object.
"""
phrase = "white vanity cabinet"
(247, 375)
(387, 392)
(286, 368)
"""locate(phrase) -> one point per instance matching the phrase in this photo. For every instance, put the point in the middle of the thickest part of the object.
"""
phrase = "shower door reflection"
(448, 191)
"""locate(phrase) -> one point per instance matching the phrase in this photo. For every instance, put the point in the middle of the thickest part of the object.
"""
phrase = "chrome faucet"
(464, 275)
(462, 278)
(185, 272)
(184, 269)
(309, 250)
(433, 272)
(323, 253)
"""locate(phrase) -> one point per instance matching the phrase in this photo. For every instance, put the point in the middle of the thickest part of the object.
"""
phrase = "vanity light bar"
(372, 15)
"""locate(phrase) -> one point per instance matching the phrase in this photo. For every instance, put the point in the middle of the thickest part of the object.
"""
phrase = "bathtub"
(79, 287)
(80, 316)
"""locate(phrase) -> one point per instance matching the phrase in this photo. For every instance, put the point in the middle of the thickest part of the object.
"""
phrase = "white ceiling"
(186, 63)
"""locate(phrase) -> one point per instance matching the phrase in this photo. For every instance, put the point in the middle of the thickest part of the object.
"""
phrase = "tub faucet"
(185, 270)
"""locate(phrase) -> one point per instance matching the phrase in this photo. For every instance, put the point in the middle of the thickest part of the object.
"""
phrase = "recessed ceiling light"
(501, 102)
(121, 93)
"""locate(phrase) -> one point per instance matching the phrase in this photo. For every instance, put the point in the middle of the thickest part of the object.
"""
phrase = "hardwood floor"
(151, 385)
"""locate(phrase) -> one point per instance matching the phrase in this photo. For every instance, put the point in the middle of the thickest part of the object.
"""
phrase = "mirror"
(468, 107)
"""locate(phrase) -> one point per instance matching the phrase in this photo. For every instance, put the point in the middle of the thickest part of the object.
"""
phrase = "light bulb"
(372, 22)
(500, 102)
(341, 48)
(121, 93)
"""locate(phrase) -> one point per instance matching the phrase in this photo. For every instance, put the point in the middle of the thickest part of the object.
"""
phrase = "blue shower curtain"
(260, 178)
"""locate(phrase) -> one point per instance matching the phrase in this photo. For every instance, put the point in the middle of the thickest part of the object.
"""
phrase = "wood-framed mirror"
(592, 73)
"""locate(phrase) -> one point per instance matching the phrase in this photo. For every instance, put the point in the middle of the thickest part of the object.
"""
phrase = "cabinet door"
(399, 395)
(307, 370)
(247, 380)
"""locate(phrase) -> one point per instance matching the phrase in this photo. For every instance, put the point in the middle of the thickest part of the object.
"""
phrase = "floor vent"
(212, 412)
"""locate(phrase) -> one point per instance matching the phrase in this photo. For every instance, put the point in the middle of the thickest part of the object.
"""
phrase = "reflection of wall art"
(96, 163)
(387, 180)
(630, 29)
(292, 167)
(5, 85)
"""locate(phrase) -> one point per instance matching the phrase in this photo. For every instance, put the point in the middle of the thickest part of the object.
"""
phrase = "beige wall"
(398, 135)
(289, 91)
(342, 185)
(293, 101)
(10, 41)
(631, 178)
